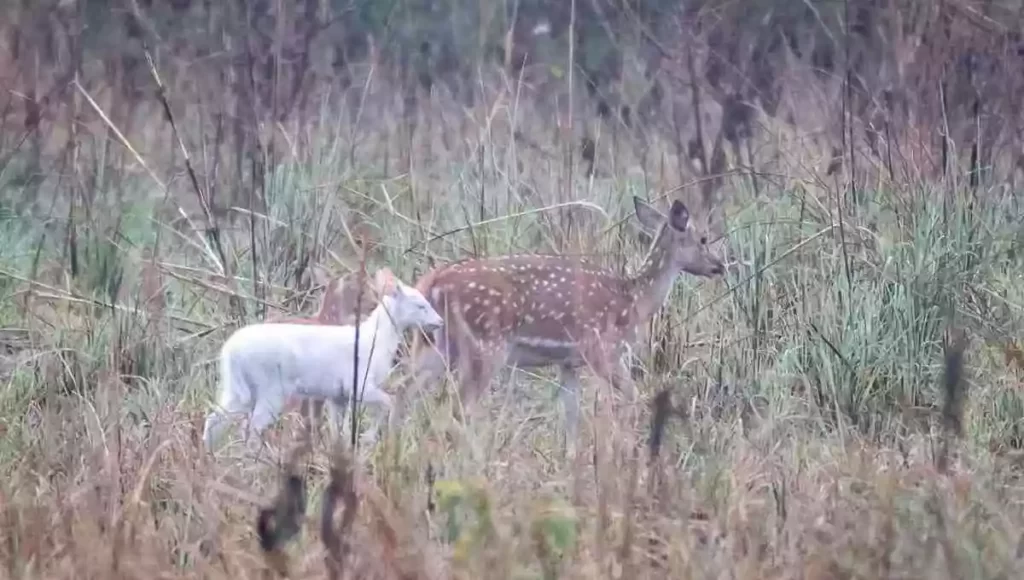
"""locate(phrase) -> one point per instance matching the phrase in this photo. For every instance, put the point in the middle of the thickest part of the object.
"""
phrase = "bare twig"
(954, 395)
(54, 293)
(341, 488)
(499, 219)
(279, 523)
(659, 419)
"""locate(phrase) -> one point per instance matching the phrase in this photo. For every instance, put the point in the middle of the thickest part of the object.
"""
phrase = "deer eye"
(703, 240)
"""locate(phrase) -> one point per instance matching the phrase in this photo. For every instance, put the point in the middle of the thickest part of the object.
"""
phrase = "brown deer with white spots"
(543, 310)
(337, 307)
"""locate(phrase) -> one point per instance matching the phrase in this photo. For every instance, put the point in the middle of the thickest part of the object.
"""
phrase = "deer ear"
(648, 217)
(385, 282)
(679, 216)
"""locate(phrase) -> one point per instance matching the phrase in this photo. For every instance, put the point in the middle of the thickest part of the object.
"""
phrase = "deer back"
(545, 300)
(536, 299)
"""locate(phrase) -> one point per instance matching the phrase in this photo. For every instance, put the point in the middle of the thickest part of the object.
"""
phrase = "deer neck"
(653, 283)
(379, 335)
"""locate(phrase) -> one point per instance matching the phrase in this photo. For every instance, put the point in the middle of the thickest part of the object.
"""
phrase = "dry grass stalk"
(281, 522)
(955, 389)
(341, 489)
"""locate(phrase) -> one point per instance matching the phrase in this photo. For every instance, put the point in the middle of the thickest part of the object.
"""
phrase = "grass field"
(815, 436)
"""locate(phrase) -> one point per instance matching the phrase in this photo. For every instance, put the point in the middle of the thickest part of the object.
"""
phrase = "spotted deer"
(338, 308)
(548, 310)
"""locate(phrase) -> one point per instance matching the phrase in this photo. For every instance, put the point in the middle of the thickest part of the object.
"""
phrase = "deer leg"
(311, 411)
(430, 360)
(336, 419)
(428, 363)
(608, 364)
(478, 369)
(264, 413)
(385, 413)
(569, 388)
(622, 379)
(216, 422)
(218, 418)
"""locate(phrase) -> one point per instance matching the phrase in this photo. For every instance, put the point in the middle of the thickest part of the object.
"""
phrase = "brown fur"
(536, 310)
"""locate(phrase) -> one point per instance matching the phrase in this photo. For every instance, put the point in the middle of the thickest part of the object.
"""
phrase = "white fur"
(263, 367)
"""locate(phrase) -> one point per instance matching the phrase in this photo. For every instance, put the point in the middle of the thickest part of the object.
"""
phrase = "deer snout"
(433, 323)
(708, 267)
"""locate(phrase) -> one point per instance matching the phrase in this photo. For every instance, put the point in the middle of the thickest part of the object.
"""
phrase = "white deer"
(544, 310)
(265, 367)
(347, 300)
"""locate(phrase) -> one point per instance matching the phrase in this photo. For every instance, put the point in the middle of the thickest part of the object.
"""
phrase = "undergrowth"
(805, 438)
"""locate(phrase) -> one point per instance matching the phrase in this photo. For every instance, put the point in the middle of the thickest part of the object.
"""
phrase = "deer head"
(407, 306)
(681, 247)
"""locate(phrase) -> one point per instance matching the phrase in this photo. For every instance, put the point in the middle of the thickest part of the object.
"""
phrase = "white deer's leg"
(337, 412)
(218, 419)
(569, 388)
(311, 411)
(264, 414)
(213, 430)
(384, 411)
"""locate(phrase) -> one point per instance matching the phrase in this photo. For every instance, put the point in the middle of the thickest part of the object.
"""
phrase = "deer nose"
(718, 269)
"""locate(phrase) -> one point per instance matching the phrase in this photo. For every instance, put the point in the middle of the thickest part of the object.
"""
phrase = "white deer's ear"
(679, 216)
(385, 282)
(650, 219)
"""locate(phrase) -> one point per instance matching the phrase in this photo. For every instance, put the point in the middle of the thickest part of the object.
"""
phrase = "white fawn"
(543, 310)
(264, 366)
(338, 307)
